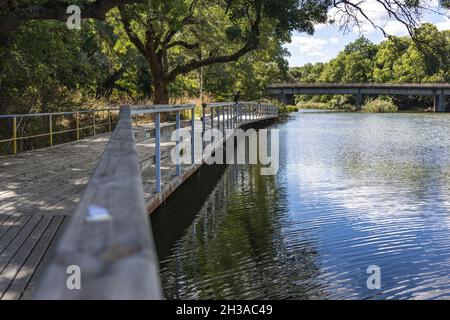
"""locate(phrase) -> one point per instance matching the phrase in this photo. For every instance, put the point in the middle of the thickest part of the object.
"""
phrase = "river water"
(353, 190)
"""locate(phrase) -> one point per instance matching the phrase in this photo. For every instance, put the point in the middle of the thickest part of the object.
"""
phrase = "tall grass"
(379, 105)
(314, 105)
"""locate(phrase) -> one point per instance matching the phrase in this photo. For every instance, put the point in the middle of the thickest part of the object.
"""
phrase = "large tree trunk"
(5, 42)
(161, 92)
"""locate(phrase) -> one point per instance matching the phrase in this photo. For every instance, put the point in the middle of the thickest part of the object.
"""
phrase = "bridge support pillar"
(287, 98)
(439, 103)
(359, 100)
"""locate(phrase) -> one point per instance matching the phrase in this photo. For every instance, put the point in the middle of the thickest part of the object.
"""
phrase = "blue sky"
(328, 40)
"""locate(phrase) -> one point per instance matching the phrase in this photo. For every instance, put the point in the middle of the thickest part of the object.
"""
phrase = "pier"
(86, 202)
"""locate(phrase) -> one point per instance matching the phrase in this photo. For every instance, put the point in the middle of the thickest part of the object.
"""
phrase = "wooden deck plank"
(10, 271)
(12, 231)
(14, 245)
(7, 222)
(43, 253)
(60, 183)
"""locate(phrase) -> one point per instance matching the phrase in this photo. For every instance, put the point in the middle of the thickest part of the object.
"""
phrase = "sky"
(328, 40)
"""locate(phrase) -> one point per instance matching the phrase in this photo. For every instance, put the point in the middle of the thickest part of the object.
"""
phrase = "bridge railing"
(107, 249)
(50, 125)
(228, 115)
(157, 110)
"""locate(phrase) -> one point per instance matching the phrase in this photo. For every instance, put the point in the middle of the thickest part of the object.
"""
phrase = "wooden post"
(14, 135)
(51, 129)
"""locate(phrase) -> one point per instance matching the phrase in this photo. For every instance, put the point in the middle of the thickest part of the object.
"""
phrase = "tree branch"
(55, 10)
(251, 44)
(184, 44)
(131, 34)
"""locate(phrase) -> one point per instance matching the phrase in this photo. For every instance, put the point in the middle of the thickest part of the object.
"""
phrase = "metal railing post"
(233, 119)
(218, 118)
(178, 167)
(240, 112)
(158, 151)
(235, 114)
(109, 120)
(50, 118)
(212, 117)
(203, 125)
(14, 135)
(94, 122)
(223, 121)
(78, 125)
(193, 136)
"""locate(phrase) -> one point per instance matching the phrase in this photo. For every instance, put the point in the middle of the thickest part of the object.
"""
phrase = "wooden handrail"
(108, 239)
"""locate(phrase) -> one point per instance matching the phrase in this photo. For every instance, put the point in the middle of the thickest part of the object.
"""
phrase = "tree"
(388, 53)
(173, 38)
(181, 36)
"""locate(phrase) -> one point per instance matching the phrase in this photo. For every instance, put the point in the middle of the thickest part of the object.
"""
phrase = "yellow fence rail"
(107, 121)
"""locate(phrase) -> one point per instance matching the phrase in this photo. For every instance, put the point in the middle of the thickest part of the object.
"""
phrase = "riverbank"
(377, 105)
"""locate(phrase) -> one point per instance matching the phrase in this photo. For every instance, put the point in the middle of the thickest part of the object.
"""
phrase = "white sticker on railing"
(96, 213)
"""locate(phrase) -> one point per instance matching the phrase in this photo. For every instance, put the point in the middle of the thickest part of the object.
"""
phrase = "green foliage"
(314, 105)
(395, 60)
(249, 76)
(379, 105)
(284, 110)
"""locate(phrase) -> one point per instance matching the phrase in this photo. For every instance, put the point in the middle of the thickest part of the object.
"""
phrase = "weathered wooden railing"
(107, 250)
(102, 119)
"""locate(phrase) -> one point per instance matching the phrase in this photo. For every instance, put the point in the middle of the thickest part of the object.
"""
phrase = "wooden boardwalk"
(40, 189)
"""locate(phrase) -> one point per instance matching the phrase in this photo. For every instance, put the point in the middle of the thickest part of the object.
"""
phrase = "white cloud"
(334, 40)
(320, 26)
(308, 46)
(443, 25)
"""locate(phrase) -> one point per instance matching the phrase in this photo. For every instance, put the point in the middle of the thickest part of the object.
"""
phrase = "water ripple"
(353, 190)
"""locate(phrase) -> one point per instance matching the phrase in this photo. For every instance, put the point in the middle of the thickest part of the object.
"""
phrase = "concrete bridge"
(286, 92)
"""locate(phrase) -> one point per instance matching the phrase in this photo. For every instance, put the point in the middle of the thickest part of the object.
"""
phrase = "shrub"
(313, 105)
(284, 110)
(379, 105)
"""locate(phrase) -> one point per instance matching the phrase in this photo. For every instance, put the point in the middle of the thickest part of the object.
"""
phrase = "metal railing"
(227, 115)
(156, 110)
(92, 115)
(235, 113)
(108, 237)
